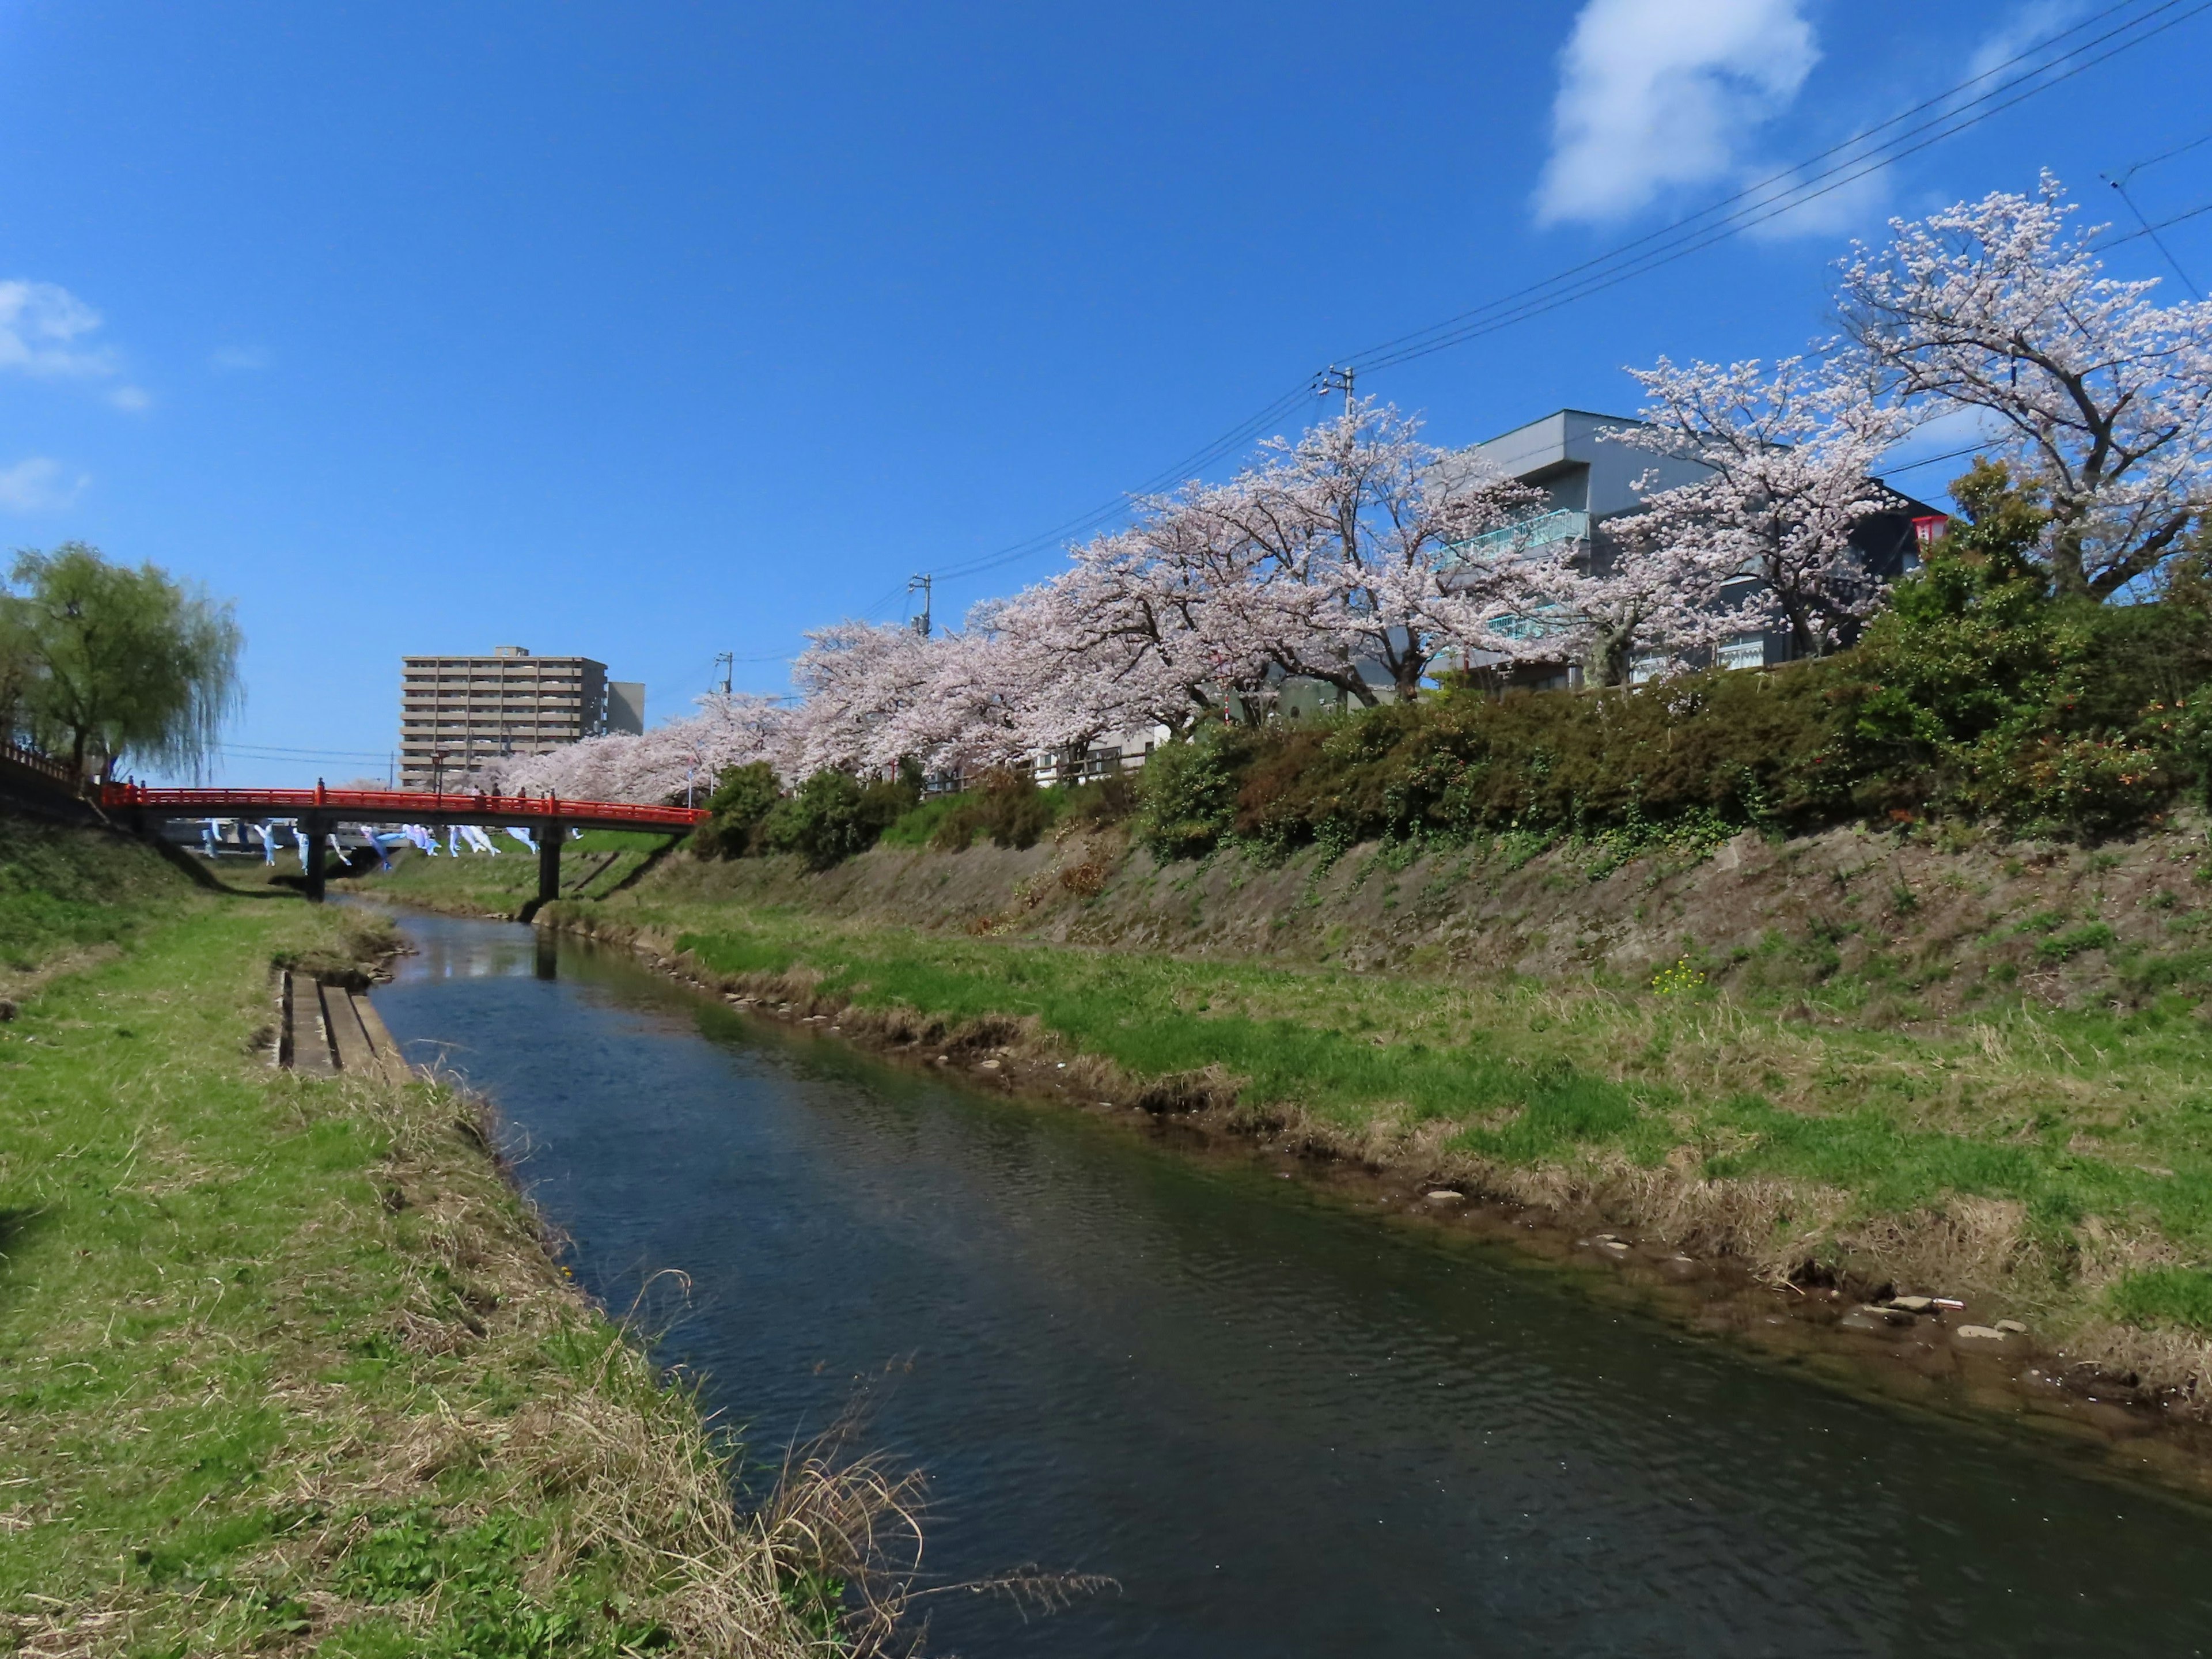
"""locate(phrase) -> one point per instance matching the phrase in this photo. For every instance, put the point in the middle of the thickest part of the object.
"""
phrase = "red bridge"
(318, 810)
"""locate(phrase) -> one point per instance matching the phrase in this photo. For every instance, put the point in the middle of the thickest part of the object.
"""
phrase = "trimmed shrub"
(1739, 748)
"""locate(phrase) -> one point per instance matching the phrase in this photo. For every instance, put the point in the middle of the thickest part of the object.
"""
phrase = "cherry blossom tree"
(1141, 630)
(2103, 397)
(1342, 557)
(972, 708)
(1645, 602)
(1788, 455)
(1355, 539)
(853, 681)
(664, 764)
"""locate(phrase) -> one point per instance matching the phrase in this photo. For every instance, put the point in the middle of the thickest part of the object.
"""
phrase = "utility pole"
(1334, 378)
(922, 585)
(726, 660)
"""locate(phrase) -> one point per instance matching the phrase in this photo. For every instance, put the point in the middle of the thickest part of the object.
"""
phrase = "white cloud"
(40, 326)
(233, 359)
(2034, 21)
(135, 399)
(1655, 93)
(36, 485)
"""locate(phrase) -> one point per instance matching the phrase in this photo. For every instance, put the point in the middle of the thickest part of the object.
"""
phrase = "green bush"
(742, 800)
(1981, 691)
(1187, 795)
(834, 817)
(1008, 809)
(1110, 799)
(1712, 752)
(916, 828)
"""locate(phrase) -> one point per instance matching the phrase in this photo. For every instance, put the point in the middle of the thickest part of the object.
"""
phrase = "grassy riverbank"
(286, 1364)
(1877, 1090)
(599, 863)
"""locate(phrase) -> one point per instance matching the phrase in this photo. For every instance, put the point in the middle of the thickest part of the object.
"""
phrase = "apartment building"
(458, 713)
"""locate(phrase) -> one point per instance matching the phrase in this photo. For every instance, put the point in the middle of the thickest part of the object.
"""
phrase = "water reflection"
(1284, 1429)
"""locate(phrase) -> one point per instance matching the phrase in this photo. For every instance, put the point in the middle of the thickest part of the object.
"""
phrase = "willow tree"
(114, 661)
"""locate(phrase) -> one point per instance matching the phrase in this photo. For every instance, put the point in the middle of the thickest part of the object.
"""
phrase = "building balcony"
(1561, 523)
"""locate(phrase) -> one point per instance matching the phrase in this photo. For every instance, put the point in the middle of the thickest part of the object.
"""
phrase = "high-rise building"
(457, 714)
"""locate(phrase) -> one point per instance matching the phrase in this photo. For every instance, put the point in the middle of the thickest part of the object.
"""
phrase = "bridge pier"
(549, 862)
(311, 862)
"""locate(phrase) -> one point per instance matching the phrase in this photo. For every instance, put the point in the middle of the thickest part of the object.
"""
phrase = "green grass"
(64, 888)
(2165, 1296)
(1137, 1011)
(1468, 1056)
(282, 1362)
(501, 885)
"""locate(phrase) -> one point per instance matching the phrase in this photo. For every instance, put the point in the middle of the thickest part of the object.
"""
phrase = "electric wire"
(1753, 196)
(2137, 235)
(258, 751)
(1977, 446)
(1750, 206)
(1698, 238)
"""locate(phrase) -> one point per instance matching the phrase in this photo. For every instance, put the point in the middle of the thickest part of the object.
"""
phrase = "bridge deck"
(395, 807)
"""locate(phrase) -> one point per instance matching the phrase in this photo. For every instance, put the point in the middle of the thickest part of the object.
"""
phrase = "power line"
(258, 751)
(1690, 236)
(2137, 235)
(1930, 461)
(1851, 160)
(1754, 196)
(2166, 156)
(1236, 438)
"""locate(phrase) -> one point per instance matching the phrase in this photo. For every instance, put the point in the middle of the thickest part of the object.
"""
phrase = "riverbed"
(1280, 1426)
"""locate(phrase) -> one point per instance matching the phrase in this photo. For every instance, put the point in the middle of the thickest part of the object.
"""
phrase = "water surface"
(1283, 1427)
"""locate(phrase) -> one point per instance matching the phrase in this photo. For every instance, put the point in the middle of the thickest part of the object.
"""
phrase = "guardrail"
(45, 765)
(393, 806)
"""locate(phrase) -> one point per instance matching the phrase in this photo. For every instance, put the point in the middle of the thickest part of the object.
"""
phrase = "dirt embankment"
(1896, 925)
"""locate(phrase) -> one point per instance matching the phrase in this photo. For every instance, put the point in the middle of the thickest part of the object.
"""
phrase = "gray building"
(626, 706)
(1589, 478)
(458, 713)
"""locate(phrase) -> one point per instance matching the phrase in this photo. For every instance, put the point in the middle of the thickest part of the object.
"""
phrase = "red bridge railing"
(393, 806)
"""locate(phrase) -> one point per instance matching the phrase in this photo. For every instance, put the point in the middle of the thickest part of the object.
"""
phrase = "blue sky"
(653, 330)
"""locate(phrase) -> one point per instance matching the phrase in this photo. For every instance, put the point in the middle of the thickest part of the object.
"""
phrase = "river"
(1283, 1428)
